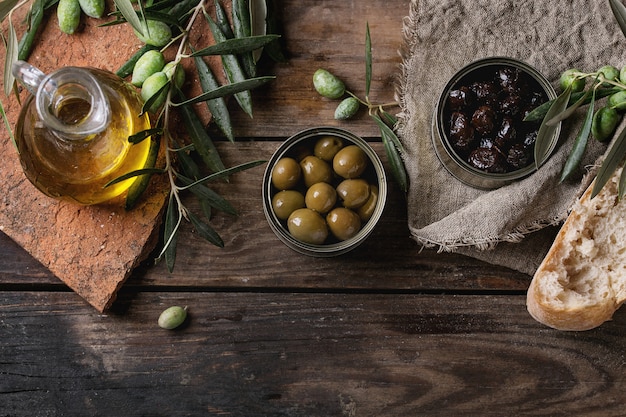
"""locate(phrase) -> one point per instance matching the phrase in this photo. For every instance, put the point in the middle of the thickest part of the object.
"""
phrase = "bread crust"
(557, 296)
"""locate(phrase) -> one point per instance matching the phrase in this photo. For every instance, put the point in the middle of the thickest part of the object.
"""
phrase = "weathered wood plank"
(295, 354)
(330, 35)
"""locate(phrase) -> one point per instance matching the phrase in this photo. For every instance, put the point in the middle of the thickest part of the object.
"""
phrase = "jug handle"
(28, 75)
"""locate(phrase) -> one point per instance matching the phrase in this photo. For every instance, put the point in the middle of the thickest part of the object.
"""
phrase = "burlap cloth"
(508, 226)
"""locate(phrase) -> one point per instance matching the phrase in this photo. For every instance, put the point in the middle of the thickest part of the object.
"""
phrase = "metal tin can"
(293, 147)
(451, 160)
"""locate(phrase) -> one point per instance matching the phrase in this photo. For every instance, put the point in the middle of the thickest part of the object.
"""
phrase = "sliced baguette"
(582, 280)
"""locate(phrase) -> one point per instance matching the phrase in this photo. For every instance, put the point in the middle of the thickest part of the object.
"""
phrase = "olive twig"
(161, 85)
(601, 122)
(330, 86)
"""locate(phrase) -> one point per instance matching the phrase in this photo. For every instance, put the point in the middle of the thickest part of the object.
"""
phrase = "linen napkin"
(509, 226)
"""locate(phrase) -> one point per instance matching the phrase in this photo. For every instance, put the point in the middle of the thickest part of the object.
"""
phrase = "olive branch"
(328, 85)
(602, 123)
(238, 46)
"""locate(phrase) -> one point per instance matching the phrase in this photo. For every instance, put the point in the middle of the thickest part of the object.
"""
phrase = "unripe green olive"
(315, 170)
(343, 223)
(150, 62)
(610, 73)
(92, 8)
(353, 192)
(617, 101)
(321, 197)
(350, 162)
(347, 108)
(286, 202)
(327, 147)
(286, 173)
(172, 317)
(307, 226)
(175, 72)
(569, 78)
(366, 210)
(327, 85)
(68, 13)
(155, 33)
(151, 86)
(622, 75)
(604, 123)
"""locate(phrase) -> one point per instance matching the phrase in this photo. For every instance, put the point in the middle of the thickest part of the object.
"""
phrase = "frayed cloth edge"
(408, 44)
(514, 236)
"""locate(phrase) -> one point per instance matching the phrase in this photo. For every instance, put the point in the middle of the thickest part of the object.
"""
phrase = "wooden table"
(386, 330)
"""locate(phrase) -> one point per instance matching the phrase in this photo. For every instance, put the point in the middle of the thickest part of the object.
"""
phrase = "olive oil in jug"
(72, 133)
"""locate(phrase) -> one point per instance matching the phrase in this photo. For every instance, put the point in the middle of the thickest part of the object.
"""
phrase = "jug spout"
(69, 101)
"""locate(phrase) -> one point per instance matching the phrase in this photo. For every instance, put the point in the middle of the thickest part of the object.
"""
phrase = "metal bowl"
(456, 164)
(292, 147)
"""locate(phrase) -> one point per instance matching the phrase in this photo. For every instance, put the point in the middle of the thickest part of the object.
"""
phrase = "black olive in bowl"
(479, 132)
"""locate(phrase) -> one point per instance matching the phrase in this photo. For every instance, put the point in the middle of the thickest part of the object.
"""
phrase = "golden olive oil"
(77, 169)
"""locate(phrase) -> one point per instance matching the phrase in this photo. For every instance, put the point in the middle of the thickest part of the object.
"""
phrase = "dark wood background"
(386, 330)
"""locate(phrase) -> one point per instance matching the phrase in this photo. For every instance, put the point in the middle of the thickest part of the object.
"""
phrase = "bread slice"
(582, 280)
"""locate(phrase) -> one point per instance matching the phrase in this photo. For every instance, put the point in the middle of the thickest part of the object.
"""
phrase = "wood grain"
(295, 354)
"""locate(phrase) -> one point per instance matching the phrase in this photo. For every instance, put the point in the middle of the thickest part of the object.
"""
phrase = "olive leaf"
(390, 143)
(133, 174)
(546, 132)
(368, 60)
(209, 198)
(11, 58)
(621, 186)
(580, 143)
(258, 24)
(619, 11)
(227, 172)
(6, 7)
(232, 67)
(392, 122)
(205, 231)
(571, 109)
(173, 220)
(181, 9)
(205, 193)
(242, 28)
(201, 140)
(186, 162)
(140, 184)
(222, 20)
(236, 45)
(539, 112)
(35, 17)
(130, 15)
(273, 49)
(217, 106)
(8, 126)
(144, 134)
(222, 91)
(614, 159)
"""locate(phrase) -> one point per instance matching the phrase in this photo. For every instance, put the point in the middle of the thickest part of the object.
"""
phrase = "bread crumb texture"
(582, 280)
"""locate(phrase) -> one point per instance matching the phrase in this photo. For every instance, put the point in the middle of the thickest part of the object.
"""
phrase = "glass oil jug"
(72, 132)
